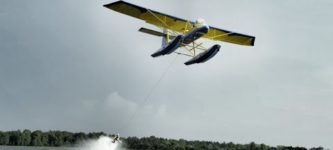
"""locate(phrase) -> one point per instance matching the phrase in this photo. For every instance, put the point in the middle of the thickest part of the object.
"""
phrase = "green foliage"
(50, 138)
(15, 137)
(26, 137)
(154, 143)
(4, 138)
(36, 138)
(63, 138)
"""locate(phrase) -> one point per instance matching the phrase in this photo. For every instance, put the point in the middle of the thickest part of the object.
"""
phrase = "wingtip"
(113, 3)
(252, 42)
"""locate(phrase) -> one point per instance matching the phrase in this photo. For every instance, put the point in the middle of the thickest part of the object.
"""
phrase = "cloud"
(115, 113)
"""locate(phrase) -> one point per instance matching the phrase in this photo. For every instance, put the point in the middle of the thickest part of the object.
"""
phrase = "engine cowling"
(204, 56)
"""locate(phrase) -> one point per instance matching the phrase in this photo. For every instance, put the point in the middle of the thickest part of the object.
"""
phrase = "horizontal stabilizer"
(152, 32)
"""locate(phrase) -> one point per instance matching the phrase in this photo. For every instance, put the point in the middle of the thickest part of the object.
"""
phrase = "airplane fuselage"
(182, 39)
(195, 34)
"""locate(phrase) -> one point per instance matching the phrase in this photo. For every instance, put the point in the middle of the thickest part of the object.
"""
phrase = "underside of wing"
(153, 17)
(230, 37)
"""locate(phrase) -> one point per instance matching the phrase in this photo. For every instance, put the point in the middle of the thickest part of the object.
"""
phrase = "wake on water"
(102, 143)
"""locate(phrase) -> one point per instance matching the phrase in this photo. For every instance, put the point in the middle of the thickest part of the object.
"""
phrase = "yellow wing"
(228, 36)
(177, 24)
(153, 17)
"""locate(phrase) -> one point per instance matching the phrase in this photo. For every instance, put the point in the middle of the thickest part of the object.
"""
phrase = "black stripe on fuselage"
(195, 34)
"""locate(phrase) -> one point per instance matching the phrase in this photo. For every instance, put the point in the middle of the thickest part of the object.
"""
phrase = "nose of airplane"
(205, 28)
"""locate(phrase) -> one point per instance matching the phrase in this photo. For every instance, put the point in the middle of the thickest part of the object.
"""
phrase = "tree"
(317, 148)
(52, 138)
(36, 138)
(252, 146)
(26, 137)
(79, 137)
(4, 138)
(67, 138)
(15, 138)
(263, 147)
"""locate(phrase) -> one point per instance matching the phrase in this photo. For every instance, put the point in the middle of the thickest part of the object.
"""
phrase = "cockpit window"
(200, 22)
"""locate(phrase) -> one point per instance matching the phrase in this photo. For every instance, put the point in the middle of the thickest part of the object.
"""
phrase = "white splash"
(102, 143)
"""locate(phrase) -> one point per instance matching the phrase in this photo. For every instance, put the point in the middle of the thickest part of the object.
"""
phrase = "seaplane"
(180, 33)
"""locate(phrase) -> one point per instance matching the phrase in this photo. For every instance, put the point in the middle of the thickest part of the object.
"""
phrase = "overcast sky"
(77, 66)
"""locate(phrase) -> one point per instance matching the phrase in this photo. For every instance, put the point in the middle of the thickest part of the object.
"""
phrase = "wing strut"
(221, 35)
(159, 19)
(183, 54)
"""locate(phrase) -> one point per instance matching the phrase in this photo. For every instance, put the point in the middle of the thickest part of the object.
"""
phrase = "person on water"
(116, 138)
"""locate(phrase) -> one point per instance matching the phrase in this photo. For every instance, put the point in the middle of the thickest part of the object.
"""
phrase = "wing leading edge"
(177, 24)
(150, 16)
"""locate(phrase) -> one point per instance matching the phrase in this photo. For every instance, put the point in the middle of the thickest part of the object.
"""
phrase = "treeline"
(154, 143)
(50, 138)
(64, 138)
